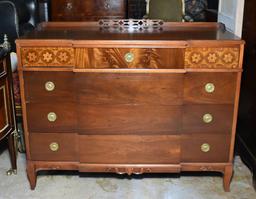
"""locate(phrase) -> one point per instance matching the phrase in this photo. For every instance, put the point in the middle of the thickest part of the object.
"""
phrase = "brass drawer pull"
(209, 87)
(49, 86)
(205, 147)
(69, 6)
(54, 146)
(52, 117)
(207, 118)
(129, 57)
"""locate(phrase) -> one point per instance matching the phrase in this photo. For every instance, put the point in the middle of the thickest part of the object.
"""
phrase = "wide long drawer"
(135, 89)
(128, 119)
(129, 149)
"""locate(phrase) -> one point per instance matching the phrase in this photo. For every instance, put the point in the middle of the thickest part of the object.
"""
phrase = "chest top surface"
(166, 31)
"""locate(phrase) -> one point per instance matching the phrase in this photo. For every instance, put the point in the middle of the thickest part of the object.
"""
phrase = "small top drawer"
(47, 57)
(212, 58)
(117, 58)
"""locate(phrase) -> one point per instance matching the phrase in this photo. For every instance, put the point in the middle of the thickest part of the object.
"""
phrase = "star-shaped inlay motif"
(196, 58)
(63, 57)
(32, 57)
(228, 58)
(212, 57)
(47, 56)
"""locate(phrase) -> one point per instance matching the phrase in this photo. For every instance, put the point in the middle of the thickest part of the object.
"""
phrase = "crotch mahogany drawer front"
(132, 89)
(51, 117)
(47, 57)
(205, 148)
(49, 87)
(212, 58)
(210, 88)
(53, 147)
(116, 58)
(129, 149)
(128, 119)
(207, 118)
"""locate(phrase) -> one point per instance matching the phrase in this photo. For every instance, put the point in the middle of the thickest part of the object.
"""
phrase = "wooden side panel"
(132, 89)
(147, 58)
(222, 117)
(224, 88)
(66, 118)
(126, 119)
(47, 56)
(4, 120)
(192, 143)
(130, 149)
(3, 68)
(213, 58)
(40, 146)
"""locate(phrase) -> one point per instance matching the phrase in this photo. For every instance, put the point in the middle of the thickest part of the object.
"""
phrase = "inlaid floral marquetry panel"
(61, 57)
(215, 58)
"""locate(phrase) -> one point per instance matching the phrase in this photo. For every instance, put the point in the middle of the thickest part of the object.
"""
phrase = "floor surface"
(68, 185)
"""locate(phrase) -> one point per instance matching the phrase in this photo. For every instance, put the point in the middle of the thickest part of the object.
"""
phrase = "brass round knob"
(207, 118)
(54, 146)
(129, 57)
(205, 147)
(52, 117)
(49, 86)
(209, 87)
(69, 6)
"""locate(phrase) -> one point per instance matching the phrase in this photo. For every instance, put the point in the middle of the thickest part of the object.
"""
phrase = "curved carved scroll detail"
(41, 56)
(213, 58)
(129, 170)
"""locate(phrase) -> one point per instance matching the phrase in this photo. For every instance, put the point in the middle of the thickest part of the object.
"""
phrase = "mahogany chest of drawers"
(153, 100)
(87, 10)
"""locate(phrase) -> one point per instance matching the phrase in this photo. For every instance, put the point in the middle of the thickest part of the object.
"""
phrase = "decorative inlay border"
(214, 58)
(61, 57)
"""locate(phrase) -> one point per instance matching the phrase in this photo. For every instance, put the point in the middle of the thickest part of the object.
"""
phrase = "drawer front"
(49, 87)
(207, 118)
(104, 7)
(130, 149)
(131, 89)
(62, 9)
(212, 58)
(47, 57)
(210, 88)
(116, 58)
(126, 119)
(53, 147)
(205, 148)
(51, 117)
